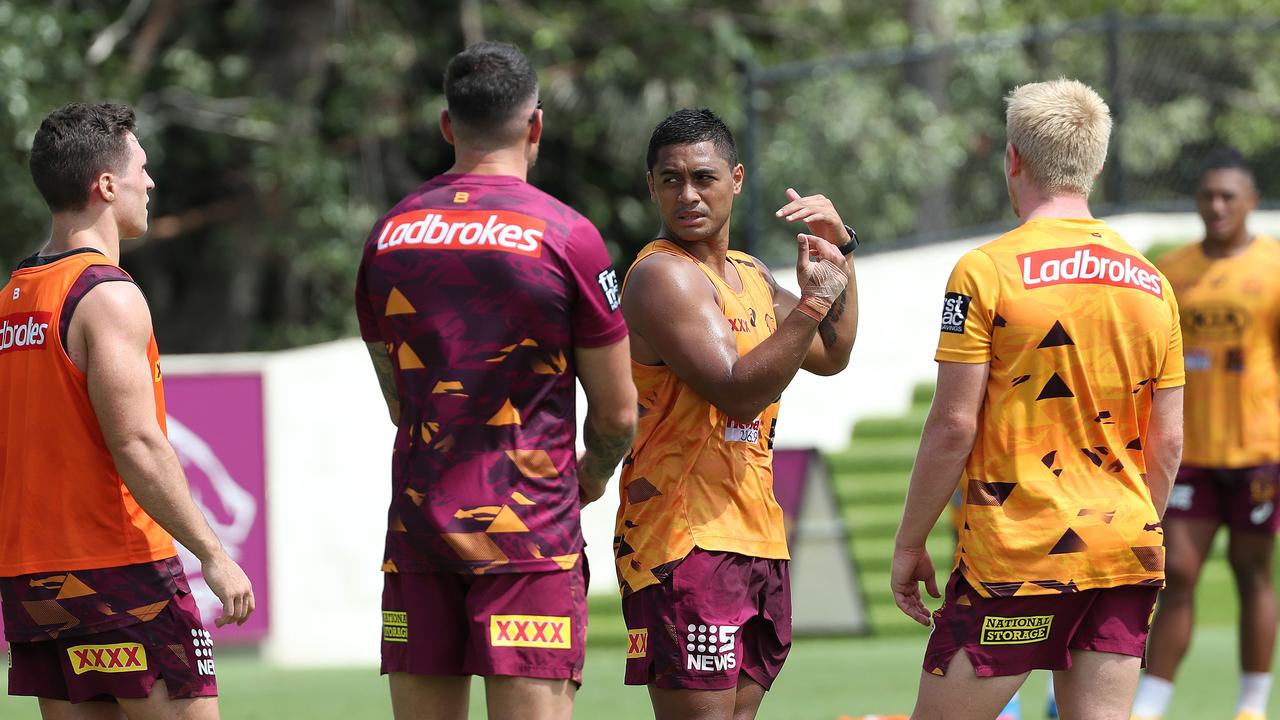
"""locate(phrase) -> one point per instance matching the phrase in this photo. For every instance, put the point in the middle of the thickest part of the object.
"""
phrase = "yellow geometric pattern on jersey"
(1231, 327)
(695, 477)
(1079, 330)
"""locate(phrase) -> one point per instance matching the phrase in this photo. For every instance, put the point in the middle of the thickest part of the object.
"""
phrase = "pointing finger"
(792, 194)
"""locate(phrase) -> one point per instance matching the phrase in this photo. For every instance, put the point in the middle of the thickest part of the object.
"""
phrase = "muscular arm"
(111, 330)
(948, 437)
(672, 306)
(1162, 446)
(828, 352)
(605, 373)
(386, 372)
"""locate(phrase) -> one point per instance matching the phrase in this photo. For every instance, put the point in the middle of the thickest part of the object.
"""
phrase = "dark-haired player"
(99, 615)
(481, 299)
(701, 549)
(1228, 287)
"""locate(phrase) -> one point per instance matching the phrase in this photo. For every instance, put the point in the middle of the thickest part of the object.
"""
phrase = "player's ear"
(1012, 160)
(104, 186)
(446, 127)
(739, 173)
(648, 179)
(535, 127)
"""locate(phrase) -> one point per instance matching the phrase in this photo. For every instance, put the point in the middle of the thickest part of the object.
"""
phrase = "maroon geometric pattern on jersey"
(481, 287)
(47, 606)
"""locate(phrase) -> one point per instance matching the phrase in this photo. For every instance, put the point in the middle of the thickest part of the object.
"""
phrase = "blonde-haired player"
(1059, 409)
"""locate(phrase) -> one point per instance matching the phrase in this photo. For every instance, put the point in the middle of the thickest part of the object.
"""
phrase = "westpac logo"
(710, 648)
(1015, 630)
(23, 331)
(115, 658)
(637, 643)
(531, 631)
(463, 230)
(1088, 264)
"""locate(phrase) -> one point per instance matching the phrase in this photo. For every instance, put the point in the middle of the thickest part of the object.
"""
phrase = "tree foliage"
(278, 132)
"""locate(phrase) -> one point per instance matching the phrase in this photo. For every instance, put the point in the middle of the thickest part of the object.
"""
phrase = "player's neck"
(74, 231)
(712, 252)
(1072, 207)
(507, 161)
(1227, 247)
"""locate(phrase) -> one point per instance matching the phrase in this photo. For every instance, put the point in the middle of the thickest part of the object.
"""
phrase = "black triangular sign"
(1055, 388)
(1057, 337)
(1070, 542)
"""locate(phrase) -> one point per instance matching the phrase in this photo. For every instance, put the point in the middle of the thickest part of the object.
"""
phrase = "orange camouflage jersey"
(695, 477)
(1079, 330)
(1231, 325)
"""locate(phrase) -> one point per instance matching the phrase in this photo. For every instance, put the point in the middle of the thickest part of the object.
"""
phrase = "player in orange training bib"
(1058, 407)
(701, 550)
(97, 611)
(1229, 290)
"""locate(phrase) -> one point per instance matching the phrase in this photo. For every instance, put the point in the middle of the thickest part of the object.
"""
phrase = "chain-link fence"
(909, 142)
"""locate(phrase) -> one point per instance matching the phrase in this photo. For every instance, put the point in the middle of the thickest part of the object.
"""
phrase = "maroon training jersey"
(481, 286)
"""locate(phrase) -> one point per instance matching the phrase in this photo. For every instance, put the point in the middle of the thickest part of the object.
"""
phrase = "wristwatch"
(850, 246)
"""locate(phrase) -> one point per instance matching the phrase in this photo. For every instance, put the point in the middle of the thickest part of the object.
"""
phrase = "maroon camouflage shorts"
(519, 624)
(1014, 635)
(103, 634)
(718, 614)
(1242, 498)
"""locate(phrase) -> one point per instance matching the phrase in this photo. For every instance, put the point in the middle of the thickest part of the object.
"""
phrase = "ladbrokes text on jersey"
(463, 230)
(1089, 264)
(23, 331)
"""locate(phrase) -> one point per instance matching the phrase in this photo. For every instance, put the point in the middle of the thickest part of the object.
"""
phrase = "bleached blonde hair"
(1060, 129)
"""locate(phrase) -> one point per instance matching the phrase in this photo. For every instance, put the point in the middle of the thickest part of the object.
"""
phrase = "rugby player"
(481, 299)
(1059, 407)
(700, 543)
(98, 613)
(1229, 289)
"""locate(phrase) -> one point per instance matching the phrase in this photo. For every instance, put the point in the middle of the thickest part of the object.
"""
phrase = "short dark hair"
(686, 127)
(1225, 158)
(74, 144)
(487, 84)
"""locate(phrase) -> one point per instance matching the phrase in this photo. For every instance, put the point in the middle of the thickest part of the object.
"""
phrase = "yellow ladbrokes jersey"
(1079, 330)
(1231, 321)
(695, 477)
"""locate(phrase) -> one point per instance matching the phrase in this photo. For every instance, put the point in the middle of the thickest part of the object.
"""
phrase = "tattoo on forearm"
(827, 328)
(386, 378)
(604, 452)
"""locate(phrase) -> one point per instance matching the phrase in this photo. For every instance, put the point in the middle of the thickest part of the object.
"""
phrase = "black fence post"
(749, 143)
(1117, 195)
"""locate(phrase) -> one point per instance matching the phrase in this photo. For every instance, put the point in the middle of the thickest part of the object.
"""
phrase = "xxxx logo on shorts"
(117, 658)
(1015, 630)
(637, 643)
(532, 631)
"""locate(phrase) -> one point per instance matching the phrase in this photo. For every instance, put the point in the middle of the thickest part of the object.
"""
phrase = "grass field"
(823, 678)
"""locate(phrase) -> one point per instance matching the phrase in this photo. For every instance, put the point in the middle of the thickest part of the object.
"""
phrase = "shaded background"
(278, 132)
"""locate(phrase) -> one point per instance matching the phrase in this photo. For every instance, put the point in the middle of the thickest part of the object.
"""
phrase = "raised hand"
(820, 271)
(816, 212)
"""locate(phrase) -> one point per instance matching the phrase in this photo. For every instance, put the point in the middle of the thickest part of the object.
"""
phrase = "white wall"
(329, 443)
